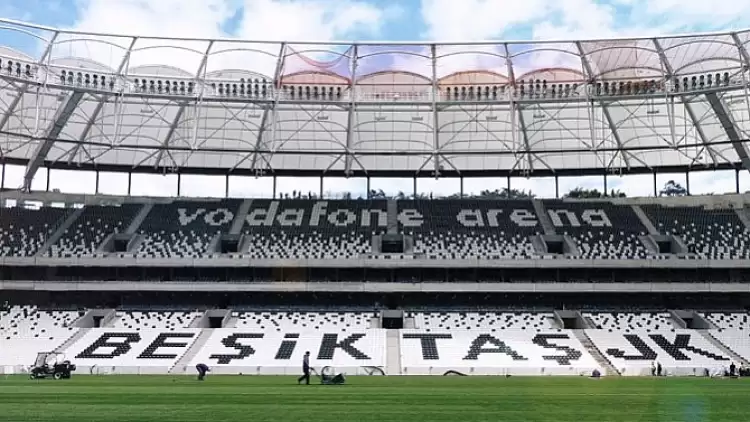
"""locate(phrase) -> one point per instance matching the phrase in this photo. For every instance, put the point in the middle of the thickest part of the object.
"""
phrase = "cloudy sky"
(399, 20)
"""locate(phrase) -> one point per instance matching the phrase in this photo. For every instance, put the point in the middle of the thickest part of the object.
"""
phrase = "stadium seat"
(91, 228)
(299, 230)
(443, 236)
(708, 234)
(601, 230)
(680, 351)
(630, 321)
(491, 321)
(184, 229)
(258, 352)
(23, 231)
(168, 320)
(737, 340)
(27, 330)
(510, 352)
(284, 321)
(729, 320)
(130, 351)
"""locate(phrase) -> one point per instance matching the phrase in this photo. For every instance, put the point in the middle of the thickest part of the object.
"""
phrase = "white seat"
(616, 346)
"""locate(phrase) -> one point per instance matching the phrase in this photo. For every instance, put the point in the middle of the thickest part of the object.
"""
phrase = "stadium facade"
(375, 285)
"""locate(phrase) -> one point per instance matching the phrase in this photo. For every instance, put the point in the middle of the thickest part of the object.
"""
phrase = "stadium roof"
(131, 103)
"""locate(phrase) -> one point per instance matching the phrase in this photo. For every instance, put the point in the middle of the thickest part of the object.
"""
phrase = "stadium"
(371, 203)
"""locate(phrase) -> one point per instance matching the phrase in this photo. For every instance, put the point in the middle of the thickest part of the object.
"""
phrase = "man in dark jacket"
(305, 369)
(202, 369)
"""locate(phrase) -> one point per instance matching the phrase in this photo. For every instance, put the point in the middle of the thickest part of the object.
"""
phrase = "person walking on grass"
(305, 369)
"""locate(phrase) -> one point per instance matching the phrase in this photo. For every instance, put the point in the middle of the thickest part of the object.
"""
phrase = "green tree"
(672, 188)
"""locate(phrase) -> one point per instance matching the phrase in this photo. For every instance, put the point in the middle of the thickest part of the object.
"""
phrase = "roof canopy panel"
(123, 102)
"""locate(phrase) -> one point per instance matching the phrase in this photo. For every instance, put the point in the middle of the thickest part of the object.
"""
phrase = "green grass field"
(411, 399)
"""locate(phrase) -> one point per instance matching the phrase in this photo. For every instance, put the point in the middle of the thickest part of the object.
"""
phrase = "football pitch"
(410, 399)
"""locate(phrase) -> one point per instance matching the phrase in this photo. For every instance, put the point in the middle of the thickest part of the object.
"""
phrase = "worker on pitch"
(202, 369)
(305, 369)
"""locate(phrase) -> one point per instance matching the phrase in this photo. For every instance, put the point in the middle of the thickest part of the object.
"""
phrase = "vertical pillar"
(737, 180)
(461, 188)
(320, 195)
(226, 186)
(49, 173)
(368, 187)
(179, 183)
(414, 187)
(274, 186)
(656, 193)
(508, 184)
(96, 188)
(557, 187)
(2, 177)
(130, 181)
(687, 182)
(606, 189)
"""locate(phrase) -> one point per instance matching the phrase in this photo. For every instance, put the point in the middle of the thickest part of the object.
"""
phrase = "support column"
(687, 182)
(179, 183)
(96, 188)
(368, 187)
(737, 180)
(49, 173)
(606, 189)
(321, 188)
(2, 178)
(274, 187)
(226, 186)
(557, 187)
(130, 181)
(460, 178)
(414, 187)
(655, 191)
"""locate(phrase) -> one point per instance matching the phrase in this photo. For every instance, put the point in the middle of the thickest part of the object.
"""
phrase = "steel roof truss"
(22, 91)
(234, 117)
(699, 130)
(170, 133)
(45, 143)
(475, 119)
(273, 110)
(525, 137)
(605, 111)
(730, 127)
(350, 112)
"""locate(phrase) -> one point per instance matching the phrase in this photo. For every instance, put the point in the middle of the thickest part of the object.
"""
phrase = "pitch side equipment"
(51, 365)
(327, 376)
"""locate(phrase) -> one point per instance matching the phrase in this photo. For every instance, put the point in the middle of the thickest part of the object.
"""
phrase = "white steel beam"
(516, 116)
(46, 142)
(435, 114)
(605, 111)
(353, 91)
(746, 60)
(685, 102)
(730, 128)
(272, 109)
(199, 75)
(104, 99)
(22, 91)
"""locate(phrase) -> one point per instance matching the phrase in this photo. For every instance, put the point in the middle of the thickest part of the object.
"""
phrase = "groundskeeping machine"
(51, 365)
(328, 376)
